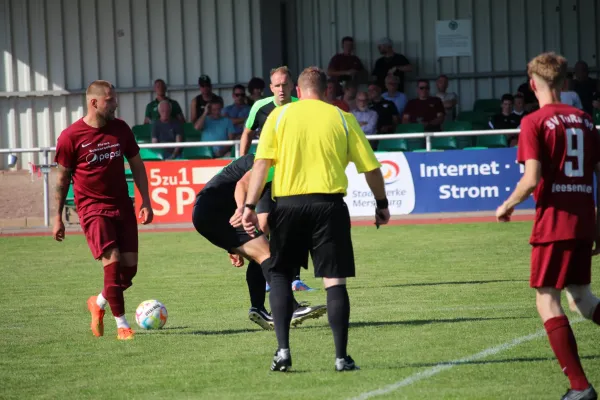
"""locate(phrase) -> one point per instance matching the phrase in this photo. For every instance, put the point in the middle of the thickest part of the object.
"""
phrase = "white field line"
(444, 366)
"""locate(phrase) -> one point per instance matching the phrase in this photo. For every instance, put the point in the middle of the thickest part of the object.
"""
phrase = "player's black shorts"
(266, 203)
(315, 223)
(211, 220)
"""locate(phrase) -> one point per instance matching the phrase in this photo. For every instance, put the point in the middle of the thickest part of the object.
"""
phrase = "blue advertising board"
(433, 182)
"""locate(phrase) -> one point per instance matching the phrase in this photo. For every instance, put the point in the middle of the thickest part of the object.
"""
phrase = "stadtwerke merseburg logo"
(390, 170)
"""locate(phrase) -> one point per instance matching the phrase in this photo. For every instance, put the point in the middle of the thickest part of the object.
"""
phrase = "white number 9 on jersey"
(574, 152)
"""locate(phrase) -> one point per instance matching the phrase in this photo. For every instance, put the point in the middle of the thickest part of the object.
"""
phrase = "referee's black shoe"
(587, 394)
(282, 360)
(345, 364)
(303, 313)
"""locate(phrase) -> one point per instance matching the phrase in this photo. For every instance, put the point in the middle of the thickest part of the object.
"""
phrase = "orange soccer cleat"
(125, 333)
(97, 324)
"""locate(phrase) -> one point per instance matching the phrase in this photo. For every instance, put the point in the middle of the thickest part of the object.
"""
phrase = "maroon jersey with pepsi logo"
(564, 140)
(96, 157)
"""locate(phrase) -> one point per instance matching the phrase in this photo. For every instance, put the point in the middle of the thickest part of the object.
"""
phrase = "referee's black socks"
(282, 307)
(265, 266)
(338, 314)
(256, 285)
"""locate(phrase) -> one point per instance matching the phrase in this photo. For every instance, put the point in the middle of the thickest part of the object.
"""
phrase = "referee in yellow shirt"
(311, 142)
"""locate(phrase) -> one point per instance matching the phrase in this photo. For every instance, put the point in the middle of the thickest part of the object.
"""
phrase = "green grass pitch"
(424, 295)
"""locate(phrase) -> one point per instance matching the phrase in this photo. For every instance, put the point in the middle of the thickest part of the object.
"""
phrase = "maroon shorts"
(560, 264)
(104, 229)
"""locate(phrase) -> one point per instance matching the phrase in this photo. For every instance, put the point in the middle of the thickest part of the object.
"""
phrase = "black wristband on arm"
(382, 204)
(250, 206)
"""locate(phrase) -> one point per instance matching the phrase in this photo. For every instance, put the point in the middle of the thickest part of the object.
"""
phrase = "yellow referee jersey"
(311, 143)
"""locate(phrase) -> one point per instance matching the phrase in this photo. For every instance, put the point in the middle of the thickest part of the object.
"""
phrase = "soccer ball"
(151, 314)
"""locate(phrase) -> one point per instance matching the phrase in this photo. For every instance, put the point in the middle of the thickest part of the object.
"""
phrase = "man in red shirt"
(346, 66)
(333, 89)
(560, 148)
(425, 109)
(90, 152)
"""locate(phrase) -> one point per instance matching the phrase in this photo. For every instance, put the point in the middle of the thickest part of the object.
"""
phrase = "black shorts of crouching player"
(215, 205)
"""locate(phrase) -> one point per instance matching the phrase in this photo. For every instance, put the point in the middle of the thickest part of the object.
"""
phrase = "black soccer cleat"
(306, 312)
(587, 394)
(261, 317)
(282, 360)
(345, 364)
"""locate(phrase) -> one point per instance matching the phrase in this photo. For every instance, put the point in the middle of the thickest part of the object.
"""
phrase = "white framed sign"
(454, 38)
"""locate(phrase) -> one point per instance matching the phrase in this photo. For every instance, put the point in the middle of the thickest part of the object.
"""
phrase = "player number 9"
(574, 152)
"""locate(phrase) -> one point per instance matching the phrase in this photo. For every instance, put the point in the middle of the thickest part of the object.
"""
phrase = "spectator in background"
(238, 111)
(349, 97)
(393, 95)
(568, 95)
(387, 113)
(531, 102)
(390, 62)
(596, 108)
(346, 66)
(160, 90)
(519, 106)
(449, 99)
(206, 95)
(167, 130)
(367, 118)
(425, 109)
(331, 95)
(506, 119)
(215, 127)
(256, 88)
(585, 86)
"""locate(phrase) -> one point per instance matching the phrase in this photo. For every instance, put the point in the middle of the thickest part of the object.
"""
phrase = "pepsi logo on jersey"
(97, 157)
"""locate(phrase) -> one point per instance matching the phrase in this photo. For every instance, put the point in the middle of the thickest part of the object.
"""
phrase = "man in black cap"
(390, 62)
(206, 96)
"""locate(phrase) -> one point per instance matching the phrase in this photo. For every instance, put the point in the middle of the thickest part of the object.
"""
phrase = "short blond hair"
(98, 88)
(283, 70)
(550, 67)
(313, 78)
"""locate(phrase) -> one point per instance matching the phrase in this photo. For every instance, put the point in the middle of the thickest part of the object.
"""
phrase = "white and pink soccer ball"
(151, 314)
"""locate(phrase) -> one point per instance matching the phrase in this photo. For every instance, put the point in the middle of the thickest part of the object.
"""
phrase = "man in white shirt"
(568, 95)
(367, 118)
(450, 99)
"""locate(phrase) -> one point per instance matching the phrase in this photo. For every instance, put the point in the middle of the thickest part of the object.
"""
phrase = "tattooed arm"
(63, 181)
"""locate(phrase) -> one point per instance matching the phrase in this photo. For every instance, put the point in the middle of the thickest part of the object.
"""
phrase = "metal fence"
(46, 165)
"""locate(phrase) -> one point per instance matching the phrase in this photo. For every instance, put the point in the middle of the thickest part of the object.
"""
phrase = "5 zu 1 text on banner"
(173, 186)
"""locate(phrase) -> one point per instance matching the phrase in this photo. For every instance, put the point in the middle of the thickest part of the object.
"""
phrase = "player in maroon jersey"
(90, 152)
(560, 148)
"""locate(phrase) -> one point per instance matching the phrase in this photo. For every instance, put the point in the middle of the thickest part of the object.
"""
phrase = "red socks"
(596, 315)
(116, 280)
(564, 346)
(113, 292)
(127, 274)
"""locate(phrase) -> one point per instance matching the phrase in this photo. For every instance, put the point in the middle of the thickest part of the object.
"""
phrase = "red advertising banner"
(173, 186)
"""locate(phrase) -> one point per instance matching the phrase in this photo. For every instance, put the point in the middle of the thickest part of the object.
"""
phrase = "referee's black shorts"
(315, 223)
(211, 220)
(266, 203)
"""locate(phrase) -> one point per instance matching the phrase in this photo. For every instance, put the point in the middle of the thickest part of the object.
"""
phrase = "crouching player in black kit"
(217, 216)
